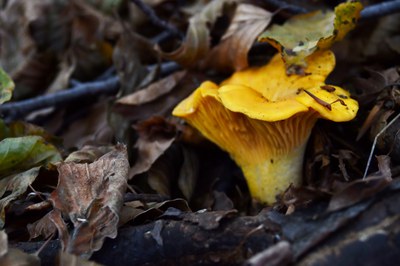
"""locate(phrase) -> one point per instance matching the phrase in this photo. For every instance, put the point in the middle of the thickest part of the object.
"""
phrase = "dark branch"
(380, 10)
(104, 84)
(19, 109)
(289, 8)
(152, 16)
(369, 12)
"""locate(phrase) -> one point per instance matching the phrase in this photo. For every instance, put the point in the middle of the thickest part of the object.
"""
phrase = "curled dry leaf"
(89, 154)
(16, 185)
(303, 34)
(155, 137)
(188, 173)
(231, 53)
(359, 190)
(89, 129)
(197, 43)
(90, 196)
(154, 90)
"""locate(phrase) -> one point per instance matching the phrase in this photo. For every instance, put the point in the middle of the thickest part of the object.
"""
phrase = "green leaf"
(302, 35)
(6, 87)
(18, 154)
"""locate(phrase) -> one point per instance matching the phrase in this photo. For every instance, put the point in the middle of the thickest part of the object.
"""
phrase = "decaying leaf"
(231, 53)
(361, 189)
(156, 136)
(14, 257)
(197, 43)
(211, 221)
(154, 90)
(188, 173)
(127, 56)
(6, 86)
(92, 129)
(16, 185)
(17, 154)
(22, 129)
(90, 196)
(303, 34)
(88, 154)
(175, 208)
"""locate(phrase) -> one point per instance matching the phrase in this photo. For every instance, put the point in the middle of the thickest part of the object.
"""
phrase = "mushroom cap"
(267, 93)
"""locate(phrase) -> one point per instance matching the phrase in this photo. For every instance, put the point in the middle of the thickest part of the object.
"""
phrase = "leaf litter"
(167, 167)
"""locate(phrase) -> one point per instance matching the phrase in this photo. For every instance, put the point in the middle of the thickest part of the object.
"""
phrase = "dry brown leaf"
(231, 53)
(154, 90)
(88, 154)
(91, 197)
(90, 129)
(156, 136)
(361, 189)
(128, 57)
(197, 42)
(16, 185)
(188, 173)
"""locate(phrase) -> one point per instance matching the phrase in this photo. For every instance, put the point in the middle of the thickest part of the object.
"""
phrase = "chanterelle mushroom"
(263, 118)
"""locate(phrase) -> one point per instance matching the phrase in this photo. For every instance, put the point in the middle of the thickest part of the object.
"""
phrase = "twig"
(109, 85)
(282, 5)
(374, 144)
(369, 12)
(18, 109)
(152, 16)
(380, 10)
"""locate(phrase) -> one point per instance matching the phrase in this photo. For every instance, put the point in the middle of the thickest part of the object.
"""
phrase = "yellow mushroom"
(263, 119)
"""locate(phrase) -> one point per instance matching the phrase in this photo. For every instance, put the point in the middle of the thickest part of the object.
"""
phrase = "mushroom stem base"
(273, 176)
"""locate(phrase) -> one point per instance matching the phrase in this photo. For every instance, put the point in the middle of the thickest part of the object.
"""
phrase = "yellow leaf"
(304, 34)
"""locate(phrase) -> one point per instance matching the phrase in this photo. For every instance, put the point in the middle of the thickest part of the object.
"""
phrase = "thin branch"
(380, 10)
(152, 16)
(105, 84)
(18, 109)
(369, 12)
(282, 5)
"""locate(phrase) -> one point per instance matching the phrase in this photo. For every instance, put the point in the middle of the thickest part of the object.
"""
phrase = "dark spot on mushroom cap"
(328, 88)
(343, 96)
(290, 52)
(272, 160)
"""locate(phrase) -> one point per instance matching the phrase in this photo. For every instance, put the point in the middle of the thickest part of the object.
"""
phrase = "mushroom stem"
(273, 176)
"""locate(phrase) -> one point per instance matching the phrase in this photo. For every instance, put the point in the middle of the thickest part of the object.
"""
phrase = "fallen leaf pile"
(90, 148)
